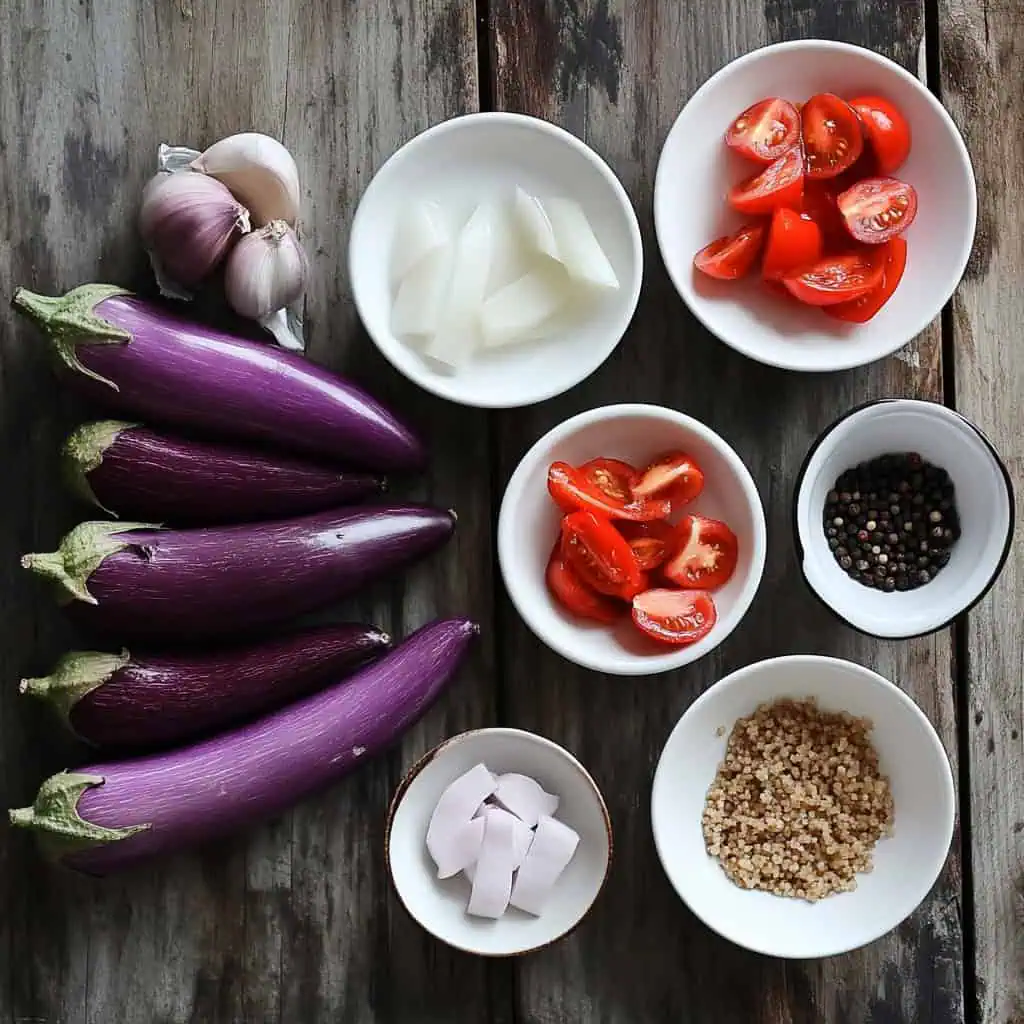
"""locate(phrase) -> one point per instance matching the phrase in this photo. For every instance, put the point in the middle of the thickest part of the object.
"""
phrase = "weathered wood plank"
(295, 922)
(982, 67)
(617, 73)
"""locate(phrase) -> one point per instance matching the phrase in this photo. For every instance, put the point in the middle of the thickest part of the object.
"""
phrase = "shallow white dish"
(984, 500)
(696, 163)
(906, 864)
(439, 906)
(528, 527)
(459, 163)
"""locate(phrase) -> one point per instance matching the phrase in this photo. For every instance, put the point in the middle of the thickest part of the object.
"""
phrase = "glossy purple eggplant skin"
(197, 793)
(180, 373)
(154, 477)
(159, 699)
(231, 579)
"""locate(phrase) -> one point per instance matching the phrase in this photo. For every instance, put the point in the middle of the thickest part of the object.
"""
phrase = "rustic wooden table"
(296, 922)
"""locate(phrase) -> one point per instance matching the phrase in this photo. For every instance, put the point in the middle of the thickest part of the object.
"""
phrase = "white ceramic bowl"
(485, 156)
(906, 864)
(696, 170)
(528, 527)
(984, 500)
(439, 906)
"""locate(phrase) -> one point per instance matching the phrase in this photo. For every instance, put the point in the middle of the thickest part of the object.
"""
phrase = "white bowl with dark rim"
(440, 905)
(528, 527)
(905, 864)
(984, 501)
(696, 169)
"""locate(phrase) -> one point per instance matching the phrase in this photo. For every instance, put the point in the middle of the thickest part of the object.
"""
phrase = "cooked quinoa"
(798, 803)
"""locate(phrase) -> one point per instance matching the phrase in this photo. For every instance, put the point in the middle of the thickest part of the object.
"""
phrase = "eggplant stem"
(75, 675)
(50, 565)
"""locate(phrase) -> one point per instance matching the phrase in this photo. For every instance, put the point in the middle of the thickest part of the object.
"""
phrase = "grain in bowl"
(799, 801)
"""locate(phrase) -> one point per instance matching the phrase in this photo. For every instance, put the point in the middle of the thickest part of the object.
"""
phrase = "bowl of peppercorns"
(903, 517)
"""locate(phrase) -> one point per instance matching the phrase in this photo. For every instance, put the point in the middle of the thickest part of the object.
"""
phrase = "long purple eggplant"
(106, 817)
(137, 580)
(138, 473)
(140, 700)
(139, 359)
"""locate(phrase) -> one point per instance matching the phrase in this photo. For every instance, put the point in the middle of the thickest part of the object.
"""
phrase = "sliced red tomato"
(651, 542)
(610, 476)
(877, 209)
(731, 256)
(676, 617)
(571, 491)
(832, 135)
(839, 278)
(886, 129)
(779, 184)
(574, 595)
(861, 310)
(600, 555)
(793, 242)
(819, 205)
(674, 476)
(705, 556)
(764, 131)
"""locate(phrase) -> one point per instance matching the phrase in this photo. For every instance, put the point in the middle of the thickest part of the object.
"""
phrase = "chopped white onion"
(522, 839)
(525, 798)
(457, 805)
(492, 883)
(417, 307)
(578, 249)
(553, 847)
(535, 226)
(421, 230)
(459, 849)
(519, 310)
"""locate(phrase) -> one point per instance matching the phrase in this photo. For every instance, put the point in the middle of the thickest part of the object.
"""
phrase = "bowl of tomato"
(815, 205)
(631, 539)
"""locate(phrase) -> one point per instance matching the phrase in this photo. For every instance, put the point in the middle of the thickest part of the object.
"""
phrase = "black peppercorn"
(846, 562)
(935, 516)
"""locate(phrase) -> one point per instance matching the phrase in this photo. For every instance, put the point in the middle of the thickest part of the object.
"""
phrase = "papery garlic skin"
(189, 223)
(259, 171)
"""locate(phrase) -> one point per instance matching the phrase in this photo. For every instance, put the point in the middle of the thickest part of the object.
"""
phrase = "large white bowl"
(528, 527)
(906, 864)
(439, 906)
(984, 500)
(459, 163)
(696, 170)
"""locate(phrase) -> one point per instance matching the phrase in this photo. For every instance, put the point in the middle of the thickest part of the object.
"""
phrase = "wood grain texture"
(617, 74)
(295, 922)
(982, 68)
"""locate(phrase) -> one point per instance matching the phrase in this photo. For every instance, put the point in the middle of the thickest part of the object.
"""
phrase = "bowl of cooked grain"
(803, 806)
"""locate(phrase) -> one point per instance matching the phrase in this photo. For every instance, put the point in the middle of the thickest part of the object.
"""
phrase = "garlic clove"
(189, 222)
(259, 171)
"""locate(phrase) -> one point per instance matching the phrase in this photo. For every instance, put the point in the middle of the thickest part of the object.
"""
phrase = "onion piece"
(457, 805)
(525, 798)
(492, 882)
(421, 231)
(554, 845)
(459, 849)
(519, 310)
(417, 307)
(535, 226)
(578, 248)
(522, 839)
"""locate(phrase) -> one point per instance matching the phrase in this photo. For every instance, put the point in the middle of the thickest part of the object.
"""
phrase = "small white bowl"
(906, 864)
(528, 527)
(459, 163)
(696, 170)
(439, 906)
(984, 500)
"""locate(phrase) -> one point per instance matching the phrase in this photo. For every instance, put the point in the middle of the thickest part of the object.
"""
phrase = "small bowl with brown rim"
(439, 906)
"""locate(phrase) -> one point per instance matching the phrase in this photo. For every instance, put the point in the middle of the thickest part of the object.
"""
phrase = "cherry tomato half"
(572, 491)
(832, 135)
(674, 476)
(861, 310)
(610, 476)
(779, 184)
(793, 242)
(706, 554)
(651, 542)
(877, 209)
(574, 595)
(677, 617)
(819, 205)
(601, 556)
(837, 278)
(731, 256)
(764, 131)
(886, 130)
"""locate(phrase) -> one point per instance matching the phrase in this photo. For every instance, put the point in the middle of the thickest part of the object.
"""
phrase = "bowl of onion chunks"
(815, 205)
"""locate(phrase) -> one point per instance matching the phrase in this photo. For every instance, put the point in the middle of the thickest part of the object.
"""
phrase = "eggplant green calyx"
(83, 452)
(54, 817)
(80, 554)
(69, 321)
(76, 674)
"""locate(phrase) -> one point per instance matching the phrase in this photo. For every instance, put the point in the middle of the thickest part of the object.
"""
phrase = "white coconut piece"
(516, 312)
(454, 810)
(553, 847)
(577, 245)
(492, 880)
(421, 294)
(421, 229)
(525, 798)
